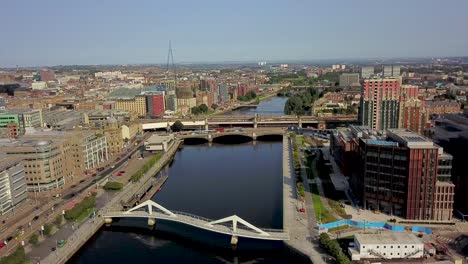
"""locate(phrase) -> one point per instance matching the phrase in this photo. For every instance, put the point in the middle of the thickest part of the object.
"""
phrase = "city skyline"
(54, 33)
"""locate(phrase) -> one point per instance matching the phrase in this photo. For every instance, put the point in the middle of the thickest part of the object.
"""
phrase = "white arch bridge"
(232, 225)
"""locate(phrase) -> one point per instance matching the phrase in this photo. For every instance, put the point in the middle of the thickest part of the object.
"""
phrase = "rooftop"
(387, 238)
(409, 139)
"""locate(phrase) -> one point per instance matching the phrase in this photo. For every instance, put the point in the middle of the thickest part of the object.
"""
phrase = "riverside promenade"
(298, 224)
(88, 228)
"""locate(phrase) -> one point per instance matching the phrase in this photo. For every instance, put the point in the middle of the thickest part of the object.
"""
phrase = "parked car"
(35, 218)
(2, 244)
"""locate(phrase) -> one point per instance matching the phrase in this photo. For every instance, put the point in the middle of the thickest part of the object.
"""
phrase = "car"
(82, 181)
(61, 243)
(35, 218)
(113, 166)
(73, 186)
(2, 244)
(9, 239)
(53, 249)
(302, 210)
(118, 174)
(122, 171)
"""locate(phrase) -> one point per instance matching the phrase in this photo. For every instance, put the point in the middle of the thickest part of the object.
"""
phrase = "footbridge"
(232, 225)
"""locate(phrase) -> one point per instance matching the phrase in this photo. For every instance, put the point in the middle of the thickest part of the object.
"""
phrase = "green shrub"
(145, 168)
(113, 186)
(17, 257)
(34, 239)
(80, 208)
(333, 248)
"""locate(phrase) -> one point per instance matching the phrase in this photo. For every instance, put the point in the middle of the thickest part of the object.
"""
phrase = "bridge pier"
(151, 221)
(254, 136)
(299, 121)
(108, 220)
(210, 138)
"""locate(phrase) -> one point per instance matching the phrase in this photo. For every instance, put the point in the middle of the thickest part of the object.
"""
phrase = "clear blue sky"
(46, 32)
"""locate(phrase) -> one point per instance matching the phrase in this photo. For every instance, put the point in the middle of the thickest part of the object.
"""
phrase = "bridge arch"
(231, 138)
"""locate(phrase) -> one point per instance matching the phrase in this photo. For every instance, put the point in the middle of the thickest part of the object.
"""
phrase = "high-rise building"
(155, 104)
(413, 114)
(13, 188)
(391, 71)
(47, 75)
(400, 173)
(349, 79)
(223, 92)
(379, 104)
(171, 102)
(367, 72)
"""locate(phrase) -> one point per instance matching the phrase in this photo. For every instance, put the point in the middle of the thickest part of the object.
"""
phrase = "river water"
(210, 181)
(270, 107)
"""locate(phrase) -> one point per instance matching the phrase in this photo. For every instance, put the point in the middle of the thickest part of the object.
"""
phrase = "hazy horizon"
(51, 33)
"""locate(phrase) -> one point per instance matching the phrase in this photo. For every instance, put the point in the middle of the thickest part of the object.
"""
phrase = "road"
(55, 206)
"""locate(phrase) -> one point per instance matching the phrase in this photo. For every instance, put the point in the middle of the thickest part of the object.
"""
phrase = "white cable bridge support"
(236, 219)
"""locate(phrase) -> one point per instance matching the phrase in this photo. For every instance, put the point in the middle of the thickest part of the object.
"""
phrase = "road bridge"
(233, 225)
(253, 133)
(247, 121)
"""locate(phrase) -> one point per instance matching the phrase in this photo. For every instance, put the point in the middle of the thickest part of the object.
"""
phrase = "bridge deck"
(203, 223)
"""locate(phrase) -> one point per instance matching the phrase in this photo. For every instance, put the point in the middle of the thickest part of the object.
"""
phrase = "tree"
(177, 126)
(203, 108)
(59, 220)
(48, 229)
(34, 239)
(294, 105)
(214, 106)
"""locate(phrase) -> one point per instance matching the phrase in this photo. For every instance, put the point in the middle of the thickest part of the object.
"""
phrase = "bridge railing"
(144, 213)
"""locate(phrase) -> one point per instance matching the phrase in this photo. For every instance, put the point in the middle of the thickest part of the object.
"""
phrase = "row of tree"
(80, 208)
(250, 95)
(300, 103)
(333, 248)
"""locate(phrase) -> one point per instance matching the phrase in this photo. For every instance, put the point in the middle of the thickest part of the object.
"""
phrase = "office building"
(397, 173)
(379, 104)
(391, 71)
(155, 104)
(349, 79)
(48, 164)
(136, 105)
(23, 118)
(386, 246)
(367, 72)
(451, 132)
(13, 188)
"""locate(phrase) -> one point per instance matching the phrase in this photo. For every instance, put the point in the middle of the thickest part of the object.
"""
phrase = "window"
(412, 246)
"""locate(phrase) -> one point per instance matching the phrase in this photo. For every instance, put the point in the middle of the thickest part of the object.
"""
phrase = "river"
(210, 181)
(270, 107)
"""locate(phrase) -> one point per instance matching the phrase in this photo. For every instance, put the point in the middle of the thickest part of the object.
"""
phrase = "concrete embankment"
(295, 221)
(86, 230)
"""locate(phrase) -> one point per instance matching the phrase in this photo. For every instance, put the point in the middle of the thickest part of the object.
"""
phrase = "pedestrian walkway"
(300, 225)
